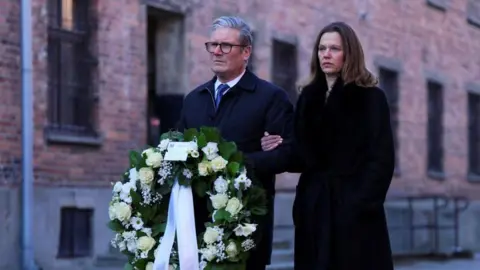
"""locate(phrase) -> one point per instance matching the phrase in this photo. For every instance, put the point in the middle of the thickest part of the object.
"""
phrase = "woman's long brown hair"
(354, 68)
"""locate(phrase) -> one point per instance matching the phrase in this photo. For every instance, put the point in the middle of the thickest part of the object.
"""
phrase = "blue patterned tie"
(220, 91)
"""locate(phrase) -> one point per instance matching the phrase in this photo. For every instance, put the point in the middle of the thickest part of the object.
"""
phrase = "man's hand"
(270, 142)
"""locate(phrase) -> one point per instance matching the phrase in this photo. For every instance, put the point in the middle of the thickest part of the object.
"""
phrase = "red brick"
(418, 36)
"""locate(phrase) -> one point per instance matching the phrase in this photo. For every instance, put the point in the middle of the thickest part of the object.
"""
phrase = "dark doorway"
(166, 73)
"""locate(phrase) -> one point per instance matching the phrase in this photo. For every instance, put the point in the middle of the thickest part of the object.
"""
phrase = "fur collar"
(314, 117)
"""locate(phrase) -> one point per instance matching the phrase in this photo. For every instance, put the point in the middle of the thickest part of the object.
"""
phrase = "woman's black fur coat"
(347, 153)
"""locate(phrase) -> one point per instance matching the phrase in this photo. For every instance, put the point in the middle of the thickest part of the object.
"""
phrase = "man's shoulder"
(268, 88)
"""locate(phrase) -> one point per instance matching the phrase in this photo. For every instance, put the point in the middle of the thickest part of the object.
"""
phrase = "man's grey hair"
(246, 37)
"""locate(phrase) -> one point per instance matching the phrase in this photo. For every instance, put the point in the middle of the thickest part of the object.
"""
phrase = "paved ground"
(449, 265)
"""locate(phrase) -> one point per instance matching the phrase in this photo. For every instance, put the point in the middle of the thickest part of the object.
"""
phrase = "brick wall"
(122, 94)
(419, 38)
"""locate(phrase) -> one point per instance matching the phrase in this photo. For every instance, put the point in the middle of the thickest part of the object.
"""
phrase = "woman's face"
(330, 53)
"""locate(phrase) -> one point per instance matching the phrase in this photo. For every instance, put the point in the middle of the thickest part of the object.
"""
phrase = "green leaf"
(115, 226)
(135, 158)
(201, 141)
(237, 157)
(233, 168)
(258, 211)
(140, 264)
(128, 266)
(158, 228)
(190, 134)
(227, 149)
(136, 199)
(200, 187)
(211, 134)
(222, 214)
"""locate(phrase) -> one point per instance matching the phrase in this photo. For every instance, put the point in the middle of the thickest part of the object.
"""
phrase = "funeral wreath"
(212, 167)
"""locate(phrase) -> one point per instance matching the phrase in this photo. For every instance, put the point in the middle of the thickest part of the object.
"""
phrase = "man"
(243, 107)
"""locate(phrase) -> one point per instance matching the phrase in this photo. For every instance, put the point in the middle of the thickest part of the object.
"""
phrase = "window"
(389, 83)
(474, 134)
(75, 233)
(284, 72)
(435, 128)
(70, 66)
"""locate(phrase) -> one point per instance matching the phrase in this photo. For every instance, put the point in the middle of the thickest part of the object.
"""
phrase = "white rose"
(211, 150)
(221, 185)
(219, 163)
(111, 212)
(234, 206)
(231, 250)
(148, 151)
(146, 175)
(245, 230)
(117, 188)
(123, 211)
(219, 200)
(203, 168)
(210, 236)
(145, 243)
(209, 253)
(154, 160)
(163, 144)
(149, 266)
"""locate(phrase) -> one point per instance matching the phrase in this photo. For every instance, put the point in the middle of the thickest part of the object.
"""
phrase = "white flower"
(122, 246)
(221, 185)
(122, 211)
(248, 244)
(211, 150)
(219, 163)
(163, 144)
(219, 200)
(125, 193)
(132, 245)
(194, 154)
(242, 182)
(137, 223)
(147, 231)
(187, 173)
(234, 206)
(204, 168)
(133, 175)
(117, 187)
(111, 212)
(149, 266)
(145, 243)
(209, 253)
(211, 235)
(154, 159)
(231, 250)
(146, 175)
(202, 265)
(245, 230)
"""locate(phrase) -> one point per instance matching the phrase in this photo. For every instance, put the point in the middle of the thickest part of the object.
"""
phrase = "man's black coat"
(246, 111)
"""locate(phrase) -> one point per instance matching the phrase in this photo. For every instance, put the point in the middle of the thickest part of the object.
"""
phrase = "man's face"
(227, 54)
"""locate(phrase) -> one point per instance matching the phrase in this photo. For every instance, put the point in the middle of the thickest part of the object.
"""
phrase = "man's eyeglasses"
(224, 47)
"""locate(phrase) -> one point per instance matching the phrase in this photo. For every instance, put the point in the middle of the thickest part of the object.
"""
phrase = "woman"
(344, 150)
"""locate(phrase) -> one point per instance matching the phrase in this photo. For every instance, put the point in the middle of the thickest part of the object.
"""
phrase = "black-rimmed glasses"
(224, 47)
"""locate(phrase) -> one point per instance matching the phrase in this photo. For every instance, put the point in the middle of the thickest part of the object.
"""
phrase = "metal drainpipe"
(27, 255)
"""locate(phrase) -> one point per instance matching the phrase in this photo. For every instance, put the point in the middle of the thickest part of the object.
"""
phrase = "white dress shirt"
(229, 83)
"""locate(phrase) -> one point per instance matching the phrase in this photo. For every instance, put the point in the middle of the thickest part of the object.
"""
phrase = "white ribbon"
(181, 218)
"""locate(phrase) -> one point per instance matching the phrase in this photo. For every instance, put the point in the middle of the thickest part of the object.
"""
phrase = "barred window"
(71, 64)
